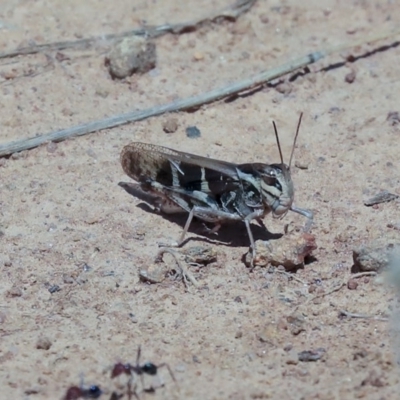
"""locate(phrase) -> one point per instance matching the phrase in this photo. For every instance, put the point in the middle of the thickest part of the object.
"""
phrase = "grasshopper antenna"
(295, 139)
(277, 141)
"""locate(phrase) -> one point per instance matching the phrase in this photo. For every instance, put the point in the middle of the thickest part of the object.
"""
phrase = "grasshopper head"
(276, 185)
(277, 188)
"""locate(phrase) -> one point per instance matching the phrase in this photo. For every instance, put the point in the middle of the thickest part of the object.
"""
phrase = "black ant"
(79, 392)
(147, 368)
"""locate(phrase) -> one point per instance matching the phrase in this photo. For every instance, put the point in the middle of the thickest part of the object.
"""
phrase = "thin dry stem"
(184, 104)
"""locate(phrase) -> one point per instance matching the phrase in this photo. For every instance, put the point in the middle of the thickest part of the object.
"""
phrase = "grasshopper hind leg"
(208, 215)
(183, 234)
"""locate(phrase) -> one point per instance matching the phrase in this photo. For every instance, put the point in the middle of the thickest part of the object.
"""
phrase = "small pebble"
(51, 147)
(134, 54)
(100, 91)
(311, 355)
(352, 284)
(54, 288)
(68, 279)
(238, 299)
(180, 368)
(91, 153)
(238, 334)
(370, 257)
(5, 260)
(198, 56)
(170, 125)
(393, 118)
(15, 292)
(133, 318)
(284, 88)
(43, 343)
(382, 197)
(288, 347)
(301, 164)
(61, 56)
(271, 333)
(193, 132)
(296, 324)
(264, 18)
(196, 359)
(350, 77)
(292, 358)
(17, 156)
(290, 251)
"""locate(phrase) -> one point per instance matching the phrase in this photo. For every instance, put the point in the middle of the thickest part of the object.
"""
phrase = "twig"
(364, 316)
(230, 13)
(361, 274)
(290, 276)
(183, 270)
(180, 105)
(343, 284)
(335, 289)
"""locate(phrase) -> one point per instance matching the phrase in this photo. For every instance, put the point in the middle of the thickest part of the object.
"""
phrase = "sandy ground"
(66, 222)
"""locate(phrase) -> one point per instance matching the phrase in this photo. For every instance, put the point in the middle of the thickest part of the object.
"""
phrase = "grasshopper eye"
(271, 180)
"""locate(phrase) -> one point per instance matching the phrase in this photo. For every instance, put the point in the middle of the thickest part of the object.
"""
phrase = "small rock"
(43, 343)
(198, 56)
(170, 125)
(301, 164)
(102, 92)
(370, 258)
(155, 273)
(60, 57)
(393, 118)
(51, 147)
(292, 358)
(350, 77)
(270, 334)
(264, 18)
(290, 251)
(193, 132)
(287, 347)
(238, 299)
(238, 334)
(284, 88)
(196, 359)
(311, 355)
(15, 291)
(374, 379)
(91, 153)
(68, 279)
(180, 368)
(296, 324)
(346, 55)
(135, 54)
(17, 156)
(54, 289)
(382, 197)
(133, 318)
(199, 255)
(5, 260)
(352, 284)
